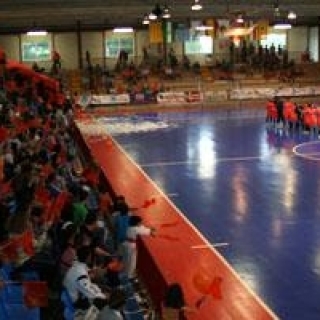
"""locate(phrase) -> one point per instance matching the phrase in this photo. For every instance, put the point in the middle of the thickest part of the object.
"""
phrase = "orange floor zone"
(178, 252)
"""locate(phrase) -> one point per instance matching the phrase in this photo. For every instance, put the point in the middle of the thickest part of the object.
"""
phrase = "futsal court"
(235, 203)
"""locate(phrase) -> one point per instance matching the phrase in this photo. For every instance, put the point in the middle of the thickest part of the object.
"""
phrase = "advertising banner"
(186, 97)
(109, 99)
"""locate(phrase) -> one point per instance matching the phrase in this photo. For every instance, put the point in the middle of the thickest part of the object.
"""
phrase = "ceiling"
(68, 15)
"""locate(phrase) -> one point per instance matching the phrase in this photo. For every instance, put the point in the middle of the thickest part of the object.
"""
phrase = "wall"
(93, 43)
(11, 45)
(67, 45)
(314, 44)
(297, 42)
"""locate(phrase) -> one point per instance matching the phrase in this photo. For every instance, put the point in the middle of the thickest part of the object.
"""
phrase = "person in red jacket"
(270, 111)
(310, 119)
(289, 114)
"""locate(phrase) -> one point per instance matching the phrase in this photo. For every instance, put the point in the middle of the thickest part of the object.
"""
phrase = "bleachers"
(12, 306)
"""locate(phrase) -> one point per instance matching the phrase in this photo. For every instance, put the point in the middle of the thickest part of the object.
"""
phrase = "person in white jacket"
(135, 229)
(82, 291)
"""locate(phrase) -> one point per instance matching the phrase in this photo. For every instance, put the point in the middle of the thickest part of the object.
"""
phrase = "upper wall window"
(36, 49)
(275, 39)
(116, 43)
(199, 45)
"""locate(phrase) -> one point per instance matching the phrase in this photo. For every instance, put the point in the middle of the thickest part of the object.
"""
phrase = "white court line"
(172, 195)
(175, 163)
(308, 156)
(209, 245)
(161, 196)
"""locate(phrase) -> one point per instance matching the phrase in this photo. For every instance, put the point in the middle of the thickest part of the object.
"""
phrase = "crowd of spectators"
(83, 248)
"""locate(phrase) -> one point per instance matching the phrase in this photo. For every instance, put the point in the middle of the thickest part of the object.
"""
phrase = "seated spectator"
(90, 234)
(54, 184)
(186, 62)
(38, 227)
(68, 247)
(112, 311)
(79, 208)
(168, 72)
(174, 305)
(77, 281)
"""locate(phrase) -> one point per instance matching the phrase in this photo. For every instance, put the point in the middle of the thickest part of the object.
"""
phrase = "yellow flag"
(155, 32)
(211, 23)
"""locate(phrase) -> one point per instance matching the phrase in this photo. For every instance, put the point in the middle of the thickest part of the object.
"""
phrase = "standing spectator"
(56, 61)
(135, 229)
(145, 54)
(121, 224)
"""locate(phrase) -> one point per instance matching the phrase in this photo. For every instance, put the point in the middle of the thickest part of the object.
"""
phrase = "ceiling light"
(292, 15)
(240, 19)
(204, 28)
(159, 12)
(37, 33)
(123, 30)
(152, 16)
(145, 20)
(282, 25)
(196, 6)
(166, 13)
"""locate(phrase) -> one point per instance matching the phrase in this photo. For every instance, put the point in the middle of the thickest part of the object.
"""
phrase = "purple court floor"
(253, 191)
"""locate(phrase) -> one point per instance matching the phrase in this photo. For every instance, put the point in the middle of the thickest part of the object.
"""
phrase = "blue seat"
(7, 268)
(69, 309)
(11, 292)
(18, 312)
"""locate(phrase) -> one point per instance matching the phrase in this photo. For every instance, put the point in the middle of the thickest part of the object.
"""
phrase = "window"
(116, 43)
(276, 39)
(199, 45)
(36, 51)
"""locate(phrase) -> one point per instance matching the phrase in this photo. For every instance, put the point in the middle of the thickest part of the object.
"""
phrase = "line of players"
(287, 114)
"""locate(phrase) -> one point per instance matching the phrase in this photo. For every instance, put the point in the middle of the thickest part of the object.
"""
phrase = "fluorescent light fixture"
(292, 15)
(239, 19)
(152, 16)
(204, 28)
(145, 20)
(123, 30)
(196, 6)
(166, 13)
(37, 33)
(282, 26)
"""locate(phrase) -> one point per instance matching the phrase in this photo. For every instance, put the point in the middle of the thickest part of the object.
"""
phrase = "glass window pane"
(36, 51)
